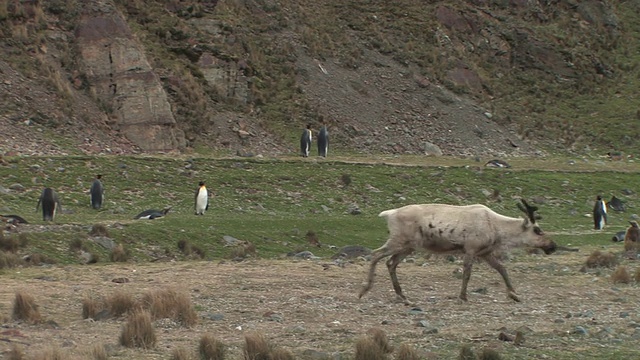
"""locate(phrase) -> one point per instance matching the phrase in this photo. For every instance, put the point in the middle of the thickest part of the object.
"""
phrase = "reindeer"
(473, 230)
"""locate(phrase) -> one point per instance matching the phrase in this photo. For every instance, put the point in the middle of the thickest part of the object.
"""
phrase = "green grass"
(274, 203)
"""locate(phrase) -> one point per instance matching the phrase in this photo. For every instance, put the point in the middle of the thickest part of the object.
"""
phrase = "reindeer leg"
(466, 275)
(392, 264)
(377, 255)
(494, 263)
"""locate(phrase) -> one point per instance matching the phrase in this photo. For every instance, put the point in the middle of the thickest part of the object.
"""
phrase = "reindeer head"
(543, 242)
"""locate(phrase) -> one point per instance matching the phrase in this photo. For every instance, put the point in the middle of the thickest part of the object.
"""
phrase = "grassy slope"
(274, 203)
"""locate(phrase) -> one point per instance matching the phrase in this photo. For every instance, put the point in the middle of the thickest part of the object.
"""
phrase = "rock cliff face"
(123, 81)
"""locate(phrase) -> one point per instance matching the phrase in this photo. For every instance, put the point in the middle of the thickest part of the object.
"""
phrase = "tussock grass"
(181, 353)
(281, 354)
(167, 303)
(38, 259)
(76, 244)
(16, 353)
(368, 349)
(189, 249)
(406, 352)
(91, 307)
(636, 275)
(210, 348)
(120, 303)
(99, 230)
(380, 338)
(9, 243)
(138, 331)
(25, 308)
(466, 353)
(601, 259)
(243, 250)
(621, 275)
(489, 354)
(52, 353)
(256, 347)
(99, 352)
(119, 254)
(9, 260)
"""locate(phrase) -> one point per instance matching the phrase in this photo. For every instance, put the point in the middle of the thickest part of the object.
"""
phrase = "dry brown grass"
(600, 259)
(9, 243)
(621, 275)
(53, 353)
(90, 307)
(180, 354)
(99, 352)
(25, 308)
(9, 260)
(15, 353)
(636, 275)
(256, 347)
(99, 230)
(39, 259)
(489, 354)
(281, 354)
(76, 244)
(120, 303)
(211, 348)
(119, 254)
(466, 353)
(243, 250)
(170, 304)
(368, 349)
(407, 352)
(189, 249)
(380, 338)
(138, 331)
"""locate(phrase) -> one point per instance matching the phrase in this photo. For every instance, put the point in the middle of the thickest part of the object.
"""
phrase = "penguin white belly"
(201, 201)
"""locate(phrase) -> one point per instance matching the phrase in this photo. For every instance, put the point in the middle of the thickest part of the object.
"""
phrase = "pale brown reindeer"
(474, 231)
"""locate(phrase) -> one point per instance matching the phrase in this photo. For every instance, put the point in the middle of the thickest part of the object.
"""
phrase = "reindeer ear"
(529, 210)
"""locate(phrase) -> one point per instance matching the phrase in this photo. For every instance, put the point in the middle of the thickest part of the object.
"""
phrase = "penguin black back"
(97, 193)
(323, 142)
(599, 213)
(50, 204)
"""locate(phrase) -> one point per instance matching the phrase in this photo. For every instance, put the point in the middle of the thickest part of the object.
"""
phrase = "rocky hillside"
(479, 77)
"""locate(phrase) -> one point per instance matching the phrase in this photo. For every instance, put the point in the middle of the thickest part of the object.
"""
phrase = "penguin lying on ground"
(97, 193)
(152, 214)
(202, 199)
(13, 219)
(50, 204)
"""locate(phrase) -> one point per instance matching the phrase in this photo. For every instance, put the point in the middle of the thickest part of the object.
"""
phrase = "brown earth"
(310, 306)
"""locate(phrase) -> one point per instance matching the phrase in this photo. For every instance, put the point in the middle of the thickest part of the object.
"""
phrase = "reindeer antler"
(529, 210)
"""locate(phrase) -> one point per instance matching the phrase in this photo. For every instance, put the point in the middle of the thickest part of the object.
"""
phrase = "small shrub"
(621, 275)
(120, 303)
(489, 354)
(99, 352)
(407, 352)
(380, 338)
(256, 347)
(138, 331)
(466, 353)
(25, 308)
(346, 179)
(170, 304)
(211, 348)
(76, 245)
(9, 243)
(16, 353)
(99, 230)
(281, 354)
(119, 254)
(367, 349)
(90, 307)
(312, 238)
(600, 259)
(181, 354)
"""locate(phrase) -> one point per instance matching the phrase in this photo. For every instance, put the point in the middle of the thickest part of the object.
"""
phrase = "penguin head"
(99, 176)
(201, 184)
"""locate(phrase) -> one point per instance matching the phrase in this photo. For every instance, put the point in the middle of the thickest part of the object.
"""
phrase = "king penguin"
(97, 193)
(599, 213)
(50, 204)
(305, 141)
(202, 199)
(323, 141)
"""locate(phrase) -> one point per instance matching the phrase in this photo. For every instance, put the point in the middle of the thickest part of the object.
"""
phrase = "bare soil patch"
(312, 305)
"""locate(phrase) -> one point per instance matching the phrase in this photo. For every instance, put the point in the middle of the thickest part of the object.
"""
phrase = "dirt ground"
(311, 307)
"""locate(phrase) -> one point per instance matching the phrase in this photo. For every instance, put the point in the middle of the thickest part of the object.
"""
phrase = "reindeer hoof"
(462, 298)
(513, 296)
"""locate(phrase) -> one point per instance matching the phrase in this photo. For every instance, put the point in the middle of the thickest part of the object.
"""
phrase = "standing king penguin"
(50, 204)
(323, 141)
(305, 141)
(202, 199)
(97, 193)
(599, 213)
